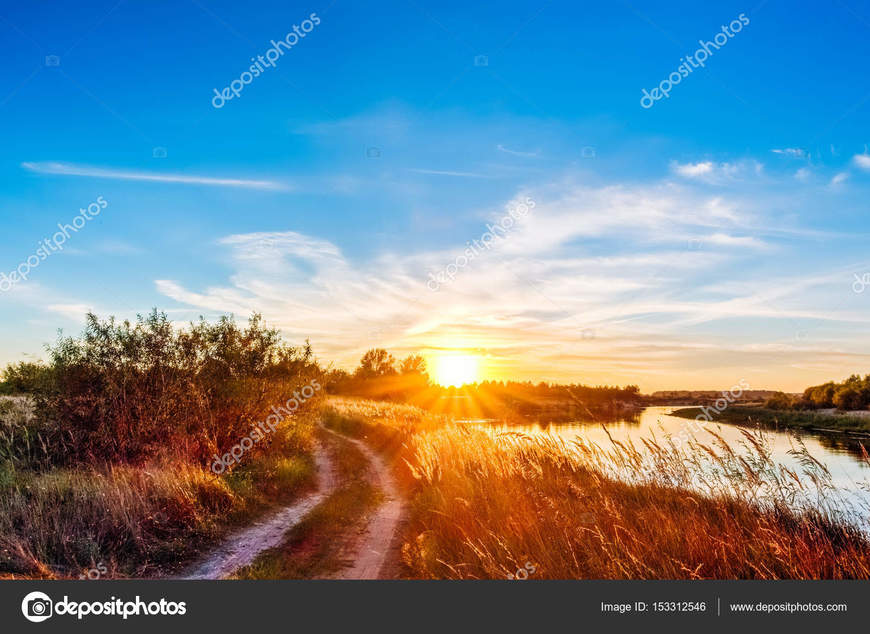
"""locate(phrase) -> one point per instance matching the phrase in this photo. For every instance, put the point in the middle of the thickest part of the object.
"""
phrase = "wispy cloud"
(530, 303)
(446, 173)
(69, 169)
(862, 161)
(726, 240)
(716, 173)
(502, 148)
(73, 312)
(794, 152)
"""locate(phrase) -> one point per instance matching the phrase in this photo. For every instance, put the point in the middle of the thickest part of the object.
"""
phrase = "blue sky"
(713, 237)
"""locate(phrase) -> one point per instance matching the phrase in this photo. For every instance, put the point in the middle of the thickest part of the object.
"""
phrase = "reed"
(485, 504)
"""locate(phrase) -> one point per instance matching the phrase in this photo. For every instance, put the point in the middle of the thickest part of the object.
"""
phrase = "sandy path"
(243, 547)
(378, 545)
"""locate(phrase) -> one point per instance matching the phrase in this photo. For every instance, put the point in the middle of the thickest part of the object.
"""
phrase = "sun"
(456, 369)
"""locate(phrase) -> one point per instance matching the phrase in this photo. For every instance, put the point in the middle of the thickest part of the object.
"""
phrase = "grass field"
(482, 504)
(139, 520)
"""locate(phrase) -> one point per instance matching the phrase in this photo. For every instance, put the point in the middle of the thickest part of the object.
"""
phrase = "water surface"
(838, 452)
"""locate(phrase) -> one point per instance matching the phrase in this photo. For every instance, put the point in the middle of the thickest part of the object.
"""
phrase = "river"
(841, 455)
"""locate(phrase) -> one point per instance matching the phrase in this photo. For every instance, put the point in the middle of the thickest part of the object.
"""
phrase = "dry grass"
(143, 520)
(485, 504)
(384, 426)
(105, 463)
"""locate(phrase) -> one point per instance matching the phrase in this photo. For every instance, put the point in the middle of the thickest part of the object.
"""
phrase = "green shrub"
(25, 377)
(125, 391)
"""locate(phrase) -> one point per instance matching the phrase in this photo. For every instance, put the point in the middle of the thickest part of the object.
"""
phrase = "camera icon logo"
(37, 607)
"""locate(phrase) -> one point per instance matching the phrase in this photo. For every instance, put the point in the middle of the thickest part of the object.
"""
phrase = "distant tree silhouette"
(376, 363)
(413, 364)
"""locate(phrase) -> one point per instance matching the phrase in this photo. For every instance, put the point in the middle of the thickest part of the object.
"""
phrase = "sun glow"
(456, 369)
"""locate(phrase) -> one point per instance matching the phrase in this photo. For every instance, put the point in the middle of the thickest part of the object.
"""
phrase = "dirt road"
(377, 549)
(374, 554)
(241, 549)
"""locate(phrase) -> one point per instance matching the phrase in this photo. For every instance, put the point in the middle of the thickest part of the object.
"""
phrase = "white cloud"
(840, 178)
(569, 216)
(716, 173)
(693, 170)
(862, 161)
(791, 151)
(725, 240)
(68, 169)
(73, 312)
(533, 296)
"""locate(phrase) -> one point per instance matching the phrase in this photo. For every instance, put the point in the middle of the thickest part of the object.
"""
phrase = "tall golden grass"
(485, 504)
(141, 520)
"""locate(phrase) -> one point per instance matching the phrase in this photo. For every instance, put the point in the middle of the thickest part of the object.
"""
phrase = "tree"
(413, 364)
(25, 376)
(780, 400)
(847, 398)
(376, 363)
(337, 381)
(821, 395)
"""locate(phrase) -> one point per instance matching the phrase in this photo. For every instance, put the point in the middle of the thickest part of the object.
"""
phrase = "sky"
(440, 177)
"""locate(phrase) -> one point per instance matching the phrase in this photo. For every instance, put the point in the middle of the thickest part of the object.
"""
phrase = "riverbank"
(783, 419)
(489, 504)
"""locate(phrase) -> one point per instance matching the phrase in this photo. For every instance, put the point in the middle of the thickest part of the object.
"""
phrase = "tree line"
(380, 375)
(851, 394)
